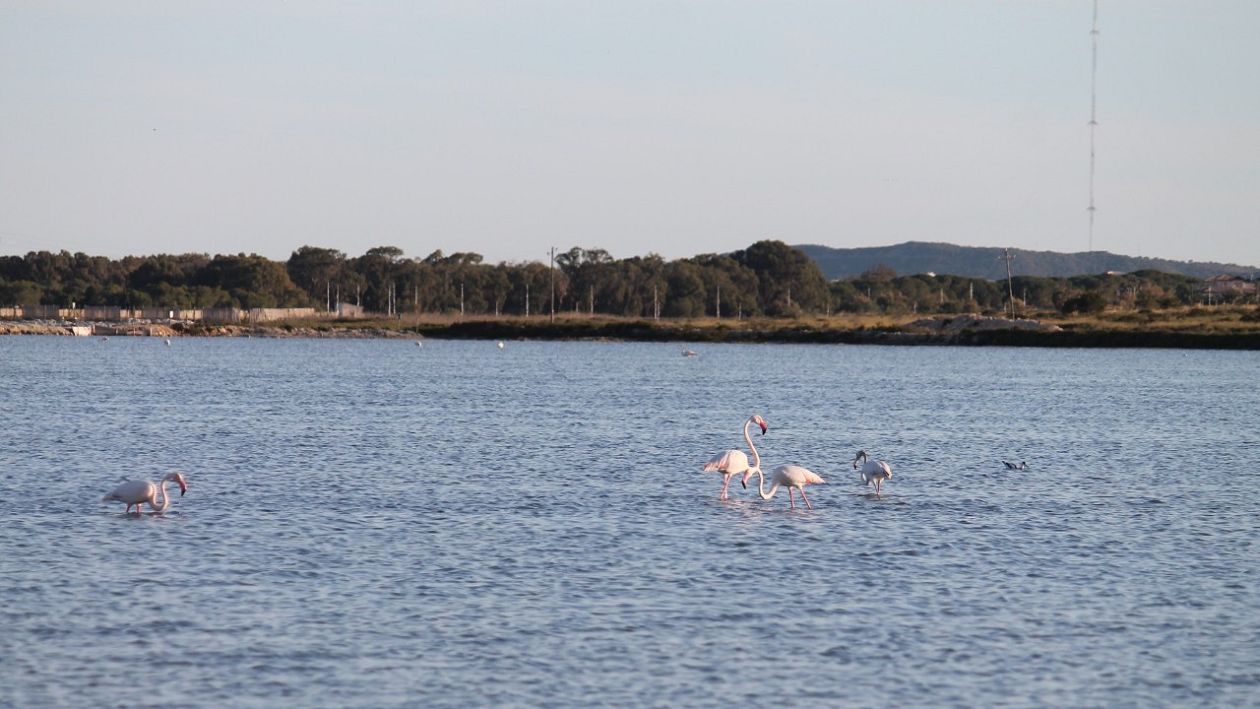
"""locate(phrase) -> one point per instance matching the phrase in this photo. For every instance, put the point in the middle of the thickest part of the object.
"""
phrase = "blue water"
(372, 523)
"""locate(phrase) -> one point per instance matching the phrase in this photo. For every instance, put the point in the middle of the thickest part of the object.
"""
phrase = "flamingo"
(873, 471)
(733, 462)
(793, 477)
(1012, 466)
(137, 492)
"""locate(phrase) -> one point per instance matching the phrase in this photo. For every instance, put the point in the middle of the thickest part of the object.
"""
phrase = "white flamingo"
(733, 462)
(1013, 466)
(873, 471)
(137, 492)
(793, 477)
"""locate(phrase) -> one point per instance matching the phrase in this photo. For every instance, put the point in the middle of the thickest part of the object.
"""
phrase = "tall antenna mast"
(1093, 119)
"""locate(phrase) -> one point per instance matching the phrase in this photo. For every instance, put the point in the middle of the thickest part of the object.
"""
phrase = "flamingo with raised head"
(793, 477)
(138, 492)
(874, 472)
(733, 462)
(1016, 466)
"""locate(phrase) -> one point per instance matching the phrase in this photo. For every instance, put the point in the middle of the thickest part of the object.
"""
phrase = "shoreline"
(956, 330)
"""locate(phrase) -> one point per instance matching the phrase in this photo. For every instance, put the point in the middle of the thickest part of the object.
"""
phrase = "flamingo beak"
(764, 427)
(183, 487)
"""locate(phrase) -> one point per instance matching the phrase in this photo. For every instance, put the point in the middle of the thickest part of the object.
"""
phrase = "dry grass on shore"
(1215, 320)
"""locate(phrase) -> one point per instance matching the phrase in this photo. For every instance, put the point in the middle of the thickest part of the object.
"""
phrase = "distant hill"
(982, 262)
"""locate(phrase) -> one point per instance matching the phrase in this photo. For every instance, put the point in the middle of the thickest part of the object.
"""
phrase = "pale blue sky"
(670, 127)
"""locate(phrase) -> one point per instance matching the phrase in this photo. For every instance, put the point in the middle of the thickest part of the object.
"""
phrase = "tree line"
(768, 278)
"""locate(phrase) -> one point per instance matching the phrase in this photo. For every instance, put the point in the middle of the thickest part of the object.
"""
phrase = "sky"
(676, 128)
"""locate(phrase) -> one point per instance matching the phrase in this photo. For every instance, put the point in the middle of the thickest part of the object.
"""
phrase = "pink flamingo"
(873, 471)
(137, 492)
(793, 477)
(733, 462)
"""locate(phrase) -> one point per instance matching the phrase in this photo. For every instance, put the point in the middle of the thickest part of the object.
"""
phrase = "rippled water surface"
(375, 523)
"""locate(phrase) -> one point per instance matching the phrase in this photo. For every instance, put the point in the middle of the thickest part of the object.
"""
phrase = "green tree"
(788, 280)
(20, 293)
(316, 270)
(686, 295)
(252, 281)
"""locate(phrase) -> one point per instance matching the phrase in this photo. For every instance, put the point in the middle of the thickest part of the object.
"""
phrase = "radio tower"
(1093, 119)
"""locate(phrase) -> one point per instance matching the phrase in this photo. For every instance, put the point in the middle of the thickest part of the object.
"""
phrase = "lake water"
(372, 523)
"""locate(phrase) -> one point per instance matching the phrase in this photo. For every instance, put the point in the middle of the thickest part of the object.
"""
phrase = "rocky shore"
(22, 327)
(968, 330)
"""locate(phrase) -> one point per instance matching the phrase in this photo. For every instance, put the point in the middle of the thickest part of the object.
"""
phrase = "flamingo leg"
(726, 482)
(806, 499)
(791, 500)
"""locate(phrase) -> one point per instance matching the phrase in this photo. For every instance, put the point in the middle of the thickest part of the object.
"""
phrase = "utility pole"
(718, 309)
(592, 300)
(461, 299)
(553, 284)
(656, 308)
(1008, 257)
(327, 296)
(526, 298)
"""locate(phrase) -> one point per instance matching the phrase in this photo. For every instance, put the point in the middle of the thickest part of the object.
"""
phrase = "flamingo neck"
(751, 447)
(761, 485)
(166, 499)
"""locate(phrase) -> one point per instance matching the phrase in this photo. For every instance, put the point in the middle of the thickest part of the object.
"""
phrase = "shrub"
(1090, 303)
